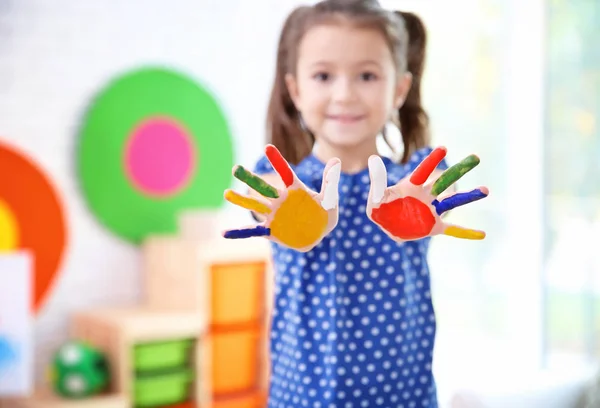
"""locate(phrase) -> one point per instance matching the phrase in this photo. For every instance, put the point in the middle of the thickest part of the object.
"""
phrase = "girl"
(353, 321)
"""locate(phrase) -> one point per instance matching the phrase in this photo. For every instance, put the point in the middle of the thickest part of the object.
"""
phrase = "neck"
(354, 158)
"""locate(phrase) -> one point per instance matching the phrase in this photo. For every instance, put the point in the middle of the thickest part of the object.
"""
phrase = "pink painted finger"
(280, 165)
(330, 186)
(378, 175)
(427, 166)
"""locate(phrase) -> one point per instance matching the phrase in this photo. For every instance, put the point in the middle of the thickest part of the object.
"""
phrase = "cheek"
(315, 104)
(313, 118)
(381, 109)
(381, 102)
(311, 97)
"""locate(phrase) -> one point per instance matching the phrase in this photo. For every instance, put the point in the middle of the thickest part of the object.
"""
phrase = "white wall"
(55, 55)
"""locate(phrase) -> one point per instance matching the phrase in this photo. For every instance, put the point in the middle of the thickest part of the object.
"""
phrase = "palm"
(411, 210)
(296, 217)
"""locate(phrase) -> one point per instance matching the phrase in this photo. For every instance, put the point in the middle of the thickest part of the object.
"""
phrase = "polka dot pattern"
(353, 322)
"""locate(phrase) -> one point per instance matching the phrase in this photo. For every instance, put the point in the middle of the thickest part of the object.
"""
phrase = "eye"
(322, 76)
(368, 76)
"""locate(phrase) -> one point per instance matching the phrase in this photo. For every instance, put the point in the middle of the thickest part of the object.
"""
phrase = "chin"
(348, 141)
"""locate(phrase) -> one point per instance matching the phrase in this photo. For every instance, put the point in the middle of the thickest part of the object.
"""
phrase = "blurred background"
(516, 82)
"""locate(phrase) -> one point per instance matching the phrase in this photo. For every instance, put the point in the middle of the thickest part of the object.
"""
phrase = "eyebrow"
(368, 62)
(359, 63)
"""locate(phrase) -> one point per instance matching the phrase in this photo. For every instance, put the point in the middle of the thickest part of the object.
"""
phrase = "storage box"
(238, 361)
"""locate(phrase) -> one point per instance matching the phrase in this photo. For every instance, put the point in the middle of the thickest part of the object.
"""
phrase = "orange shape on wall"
(39, 220)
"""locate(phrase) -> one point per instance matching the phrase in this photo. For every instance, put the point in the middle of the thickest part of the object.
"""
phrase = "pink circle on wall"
(160, 157)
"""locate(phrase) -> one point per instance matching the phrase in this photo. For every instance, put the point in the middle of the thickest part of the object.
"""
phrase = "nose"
(344, 90)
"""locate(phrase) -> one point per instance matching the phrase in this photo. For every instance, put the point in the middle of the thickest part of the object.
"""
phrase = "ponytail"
(284, 129)
(413, 120)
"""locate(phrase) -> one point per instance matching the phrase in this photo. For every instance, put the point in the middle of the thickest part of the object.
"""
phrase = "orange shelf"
(257, 399)
(238, 293)
(188, 404)
(238, 361)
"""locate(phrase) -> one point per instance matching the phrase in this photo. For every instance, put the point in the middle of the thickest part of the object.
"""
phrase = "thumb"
(331, 181)
(378, 175)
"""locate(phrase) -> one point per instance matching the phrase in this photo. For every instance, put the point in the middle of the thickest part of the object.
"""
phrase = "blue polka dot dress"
(353, 321)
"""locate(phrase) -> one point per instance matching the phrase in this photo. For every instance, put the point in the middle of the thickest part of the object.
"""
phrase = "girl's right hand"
(296, 216)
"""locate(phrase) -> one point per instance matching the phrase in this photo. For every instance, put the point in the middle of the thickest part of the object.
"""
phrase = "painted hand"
(296, 217)
(410, 210)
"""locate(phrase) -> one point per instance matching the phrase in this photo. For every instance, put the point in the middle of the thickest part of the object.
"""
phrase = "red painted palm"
(410, 209)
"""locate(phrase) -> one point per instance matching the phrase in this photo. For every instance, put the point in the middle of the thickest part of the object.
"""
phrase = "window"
(572, 182)
(483, 88)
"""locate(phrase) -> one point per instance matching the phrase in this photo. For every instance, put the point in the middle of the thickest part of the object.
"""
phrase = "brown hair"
(284, 126)
(414, 121)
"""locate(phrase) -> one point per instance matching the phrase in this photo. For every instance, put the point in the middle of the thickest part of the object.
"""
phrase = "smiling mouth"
(346, 118)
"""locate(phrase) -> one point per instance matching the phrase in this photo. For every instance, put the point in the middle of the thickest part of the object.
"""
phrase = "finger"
(453, 174)
(255, 182)
(259, 231)
(463, 233)
(247, 202)
(331, 181)
(378, 175)
(280, 165)
(458, 199)
(427, 166)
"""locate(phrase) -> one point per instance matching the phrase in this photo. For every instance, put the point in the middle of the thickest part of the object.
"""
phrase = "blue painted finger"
(248, 233)
(459, 199)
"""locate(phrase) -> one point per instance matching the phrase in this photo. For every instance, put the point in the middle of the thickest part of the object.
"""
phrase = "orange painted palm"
(296, 216)
(410, 209)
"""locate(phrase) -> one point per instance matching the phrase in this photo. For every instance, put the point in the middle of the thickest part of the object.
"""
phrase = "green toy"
(79, 370)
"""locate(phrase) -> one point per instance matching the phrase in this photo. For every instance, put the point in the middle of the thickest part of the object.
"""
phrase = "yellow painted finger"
(246, 202)
(463, 233)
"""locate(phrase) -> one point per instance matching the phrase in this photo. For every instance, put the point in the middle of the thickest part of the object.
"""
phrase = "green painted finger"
(453, 174)
(255, 182)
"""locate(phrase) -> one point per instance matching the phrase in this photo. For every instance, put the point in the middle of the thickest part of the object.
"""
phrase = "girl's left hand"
(295, 216)
(410, 209)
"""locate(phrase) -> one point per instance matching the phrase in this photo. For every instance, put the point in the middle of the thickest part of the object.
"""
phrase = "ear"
(292, 87)
(402, 87)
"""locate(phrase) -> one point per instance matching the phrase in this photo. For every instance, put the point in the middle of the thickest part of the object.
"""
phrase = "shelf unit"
(46, 399)
(156, 356)
(233, 285)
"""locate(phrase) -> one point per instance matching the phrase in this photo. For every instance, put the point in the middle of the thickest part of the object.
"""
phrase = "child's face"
(346, 84)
